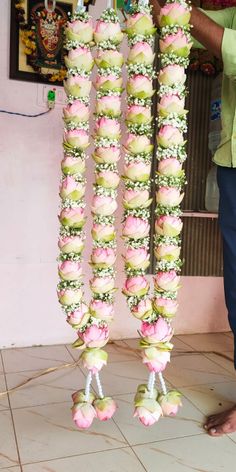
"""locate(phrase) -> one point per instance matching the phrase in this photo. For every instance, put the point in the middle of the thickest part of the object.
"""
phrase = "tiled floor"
(38, 435)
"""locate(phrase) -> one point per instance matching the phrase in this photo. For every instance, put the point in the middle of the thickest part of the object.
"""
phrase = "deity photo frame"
(36, 46)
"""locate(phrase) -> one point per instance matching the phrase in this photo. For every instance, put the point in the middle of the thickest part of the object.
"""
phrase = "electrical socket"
(42, 95)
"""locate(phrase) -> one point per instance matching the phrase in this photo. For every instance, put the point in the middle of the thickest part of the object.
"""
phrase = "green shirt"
(226, 152)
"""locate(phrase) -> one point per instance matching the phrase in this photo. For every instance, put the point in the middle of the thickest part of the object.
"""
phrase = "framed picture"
(36, 46)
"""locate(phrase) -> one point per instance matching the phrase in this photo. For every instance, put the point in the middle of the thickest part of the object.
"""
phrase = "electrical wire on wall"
(24, 114)
(51, 100)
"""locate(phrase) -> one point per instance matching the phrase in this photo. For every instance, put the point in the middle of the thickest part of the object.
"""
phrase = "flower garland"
(156, 313)
(91, 323)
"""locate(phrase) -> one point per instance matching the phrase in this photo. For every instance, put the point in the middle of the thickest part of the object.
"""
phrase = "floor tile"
(8, 452)
(212, 398)
(180, 346)
(133, 344)
(223, 362)
(188, 422)
(117, 351)
(120, 460)
(4, 404)
(11, 469)
(1, 364)
(197, 453)
(34, 358)
(122, 377)
(194, 369)
(52, 388)
(47, 432)
(208, 342)
(229, 333)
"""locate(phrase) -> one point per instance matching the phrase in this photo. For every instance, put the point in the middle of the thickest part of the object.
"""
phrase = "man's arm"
(207, 32)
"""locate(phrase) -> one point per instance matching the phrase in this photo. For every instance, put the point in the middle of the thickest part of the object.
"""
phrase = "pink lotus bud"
(108, 179)
(140, 86)
(103, 257)
(70, 270)
(174, 14)
(77, 138)
(103, 232)
(105, 31)
(73, 165)
(138, 114)
(137, 144)
(69, 296)
(94, 359)
(172, 75)
(136, 286)
(169, 196)
(170, 166)
(156, 332)
(76, 111)
(69, 244)
(170, 402)
(167, 280)
(171, 104)
(107, 128)
(109, 58)
(80, 397)
(108, 82)
(105, 408)
(94, 336)
(109, 105)
(148, 411)
(72, 189)
(102, 205)
(136, 198)
(176, 43)
(81, 31)
(169, 136)
(168, 225)
(165, 306)
(169, 252)
(81, 58)
(155, 359)
(72, 217)
(143, 392)
(102, 284)
(143, 309)
(140, 23)
(79, 317)
(102, 310)
(107, 155)
(135, 228)
(137, 258)
(142, 53)
(137, 171)
(78, 86)
(83, 415)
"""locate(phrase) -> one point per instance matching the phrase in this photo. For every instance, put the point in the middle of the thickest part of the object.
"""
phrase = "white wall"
(30, 154)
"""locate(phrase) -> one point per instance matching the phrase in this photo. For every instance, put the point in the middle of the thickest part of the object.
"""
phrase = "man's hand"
(205, 30)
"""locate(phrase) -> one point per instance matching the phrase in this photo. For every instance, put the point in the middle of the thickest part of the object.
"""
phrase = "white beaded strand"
(151, 383)
(100, 391)
(163, 384)
(88, 385)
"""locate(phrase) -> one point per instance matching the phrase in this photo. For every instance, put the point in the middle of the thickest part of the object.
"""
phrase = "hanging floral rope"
(156, 313)
(91, 323)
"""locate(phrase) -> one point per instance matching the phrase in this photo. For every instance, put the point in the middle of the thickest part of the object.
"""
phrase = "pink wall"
(30, 172)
